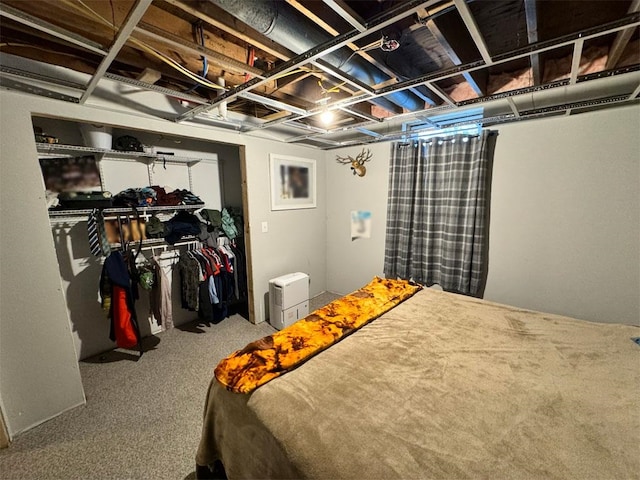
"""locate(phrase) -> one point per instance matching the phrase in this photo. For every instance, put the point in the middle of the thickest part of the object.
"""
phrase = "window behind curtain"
(438, 212)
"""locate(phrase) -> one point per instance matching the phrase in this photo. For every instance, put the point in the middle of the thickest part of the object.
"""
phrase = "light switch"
(265, 227)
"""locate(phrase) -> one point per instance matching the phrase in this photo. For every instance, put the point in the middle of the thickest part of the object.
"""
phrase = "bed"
(442, 386)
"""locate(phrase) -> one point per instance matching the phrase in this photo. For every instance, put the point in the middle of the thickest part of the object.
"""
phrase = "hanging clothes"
(117, 296)
(208, 282)
(161, 296)
(190, 276)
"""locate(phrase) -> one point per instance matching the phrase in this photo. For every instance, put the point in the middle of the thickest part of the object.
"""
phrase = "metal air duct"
(289, 28)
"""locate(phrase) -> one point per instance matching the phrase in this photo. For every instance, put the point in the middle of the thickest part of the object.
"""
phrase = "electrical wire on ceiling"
(199, 32)
(251, 59)
(85, 10)
(141, 45)
(36, 47)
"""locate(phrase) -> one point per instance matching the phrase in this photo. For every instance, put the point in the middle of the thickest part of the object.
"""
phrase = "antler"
(357, 164)
(363, 156)
(344, 160)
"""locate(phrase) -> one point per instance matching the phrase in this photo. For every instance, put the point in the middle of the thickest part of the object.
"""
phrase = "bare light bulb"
(326, 117)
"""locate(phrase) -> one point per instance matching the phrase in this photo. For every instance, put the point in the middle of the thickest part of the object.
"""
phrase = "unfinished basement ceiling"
(383, 69)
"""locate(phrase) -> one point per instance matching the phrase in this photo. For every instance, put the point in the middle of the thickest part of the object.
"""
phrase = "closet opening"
(174, 209)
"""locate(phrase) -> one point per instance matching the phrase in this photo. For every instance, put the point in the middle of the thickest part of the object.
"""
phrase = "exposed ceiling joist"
(181, 45)
(228, 24)
(377, 24)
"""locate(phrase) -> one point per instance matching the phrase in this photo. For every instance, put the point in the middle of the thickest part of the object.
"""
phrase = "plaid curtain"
(437, 212)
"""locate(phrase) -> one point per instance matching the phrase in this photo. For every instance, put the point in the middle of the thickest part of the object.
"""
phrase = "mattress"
(442, 386)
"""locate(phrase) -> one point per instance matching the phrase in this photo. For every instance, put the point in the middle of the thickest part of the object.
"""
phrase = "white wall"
(296, 240)
(565, 216)
(39, 375)
(38, 369)
(352, 264)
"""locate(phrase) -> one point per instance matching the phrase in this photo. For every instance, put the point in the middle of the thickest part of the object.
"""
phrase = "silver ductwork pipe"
(288, 27)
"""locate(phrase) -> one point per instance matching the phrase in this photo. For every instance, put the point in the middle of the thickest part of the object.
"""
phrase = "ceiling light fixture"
(326, 117)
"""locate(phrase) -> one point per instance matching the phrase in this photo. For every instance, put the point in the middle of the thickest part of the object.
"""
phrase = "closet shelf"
(53, 214)
(157, 242)
(57, 149)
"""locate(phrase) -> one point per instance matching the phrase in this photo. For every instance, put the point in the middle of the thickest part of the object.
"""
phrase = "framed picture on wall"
(293, 182)
(71, 174)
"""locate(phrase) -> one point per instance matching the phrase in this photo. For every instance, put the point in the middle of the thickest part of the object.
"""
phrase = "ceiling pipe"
(289, 28)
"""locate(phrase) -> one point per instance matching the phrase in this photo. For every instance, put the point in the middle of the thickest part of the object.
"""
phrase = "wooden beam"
(179, 44)
(229, 24)
(276, 116)
(621, 40)
(149, 75)
(232, 26)
(531, 13)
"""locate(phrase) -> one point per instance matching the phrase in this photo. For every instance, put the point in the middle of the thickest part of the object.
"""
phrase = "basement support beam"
(531, 13)
(474, 31)
(134, 16)
(621, 40)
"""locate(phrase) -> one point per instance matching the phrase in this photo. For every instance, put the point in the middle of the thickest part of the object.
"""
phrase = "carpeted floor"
(143, 416)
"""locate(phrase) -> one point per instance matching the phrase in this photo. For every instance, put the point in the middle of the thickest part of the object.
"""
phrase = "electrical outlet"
(265, 227)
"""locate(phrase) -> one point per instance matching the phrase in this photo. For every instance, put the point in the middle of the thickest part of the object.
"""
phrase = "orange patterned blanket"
(274, 355)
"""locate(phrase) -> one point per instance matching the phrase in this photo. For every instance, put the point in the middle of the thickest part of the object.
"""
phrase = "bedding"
(274, 355)
(442, 386)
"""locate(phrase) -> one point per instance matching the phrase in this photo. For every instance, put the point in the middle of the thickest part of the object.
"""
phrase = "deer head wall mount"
(357, 164)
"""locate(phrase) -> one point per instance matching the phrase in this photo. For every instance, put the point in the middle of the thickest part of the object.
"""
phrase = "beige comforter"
(443, 386)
